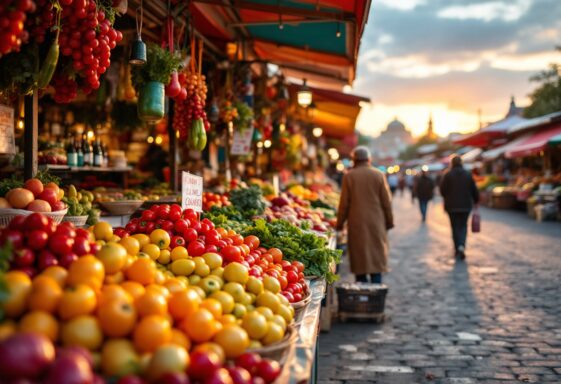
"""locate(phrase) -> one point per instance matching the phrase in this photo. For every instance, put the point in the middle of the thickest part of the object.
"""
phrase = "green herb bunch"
(249, 201)
(160, 63)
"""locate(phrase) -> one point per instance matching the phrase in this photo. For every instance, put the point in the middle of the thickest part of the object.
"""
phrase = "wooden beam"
(31, 107)
(284, 10)
(172, 148)
(285, 22)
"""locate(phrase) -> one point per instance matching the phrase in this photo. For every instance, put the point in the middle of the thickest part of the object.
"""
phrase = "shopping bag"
(476, 221)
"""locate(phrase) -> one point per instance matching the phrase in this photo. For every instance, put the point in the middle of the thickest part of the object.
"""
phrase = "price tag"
(191, 191)
(7, 139)
(241, 144)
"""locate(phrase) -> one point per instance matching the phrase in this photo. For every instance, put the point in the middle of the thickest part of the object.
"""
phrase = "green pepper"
(49, 65)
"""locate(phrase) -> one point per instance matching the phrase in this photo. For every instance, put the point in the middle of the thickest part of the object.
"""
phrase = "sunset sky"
(451, 58)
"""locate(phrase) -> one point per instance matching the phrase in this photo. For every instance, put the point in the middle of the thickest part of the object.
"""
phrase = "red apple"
(49, 195)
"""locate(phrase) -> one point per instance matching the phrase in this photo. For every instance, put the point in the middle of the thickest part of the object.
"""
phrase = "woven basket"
(278, 351)
(121, 208)
(7, 214)
(300, 308)
(78, 221)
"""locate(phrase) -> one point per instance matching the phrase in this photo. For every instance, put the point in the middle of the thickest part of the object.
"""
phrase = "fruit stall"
(105, 274)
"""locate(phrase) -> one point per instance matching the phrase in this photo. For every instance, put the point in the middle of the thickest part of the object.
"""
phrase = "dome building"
(392, 141)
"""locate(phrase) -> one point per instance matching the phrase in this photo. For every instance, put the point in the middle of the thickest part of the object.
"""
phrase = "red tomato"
(81, 232)
(65, 230)
(297, 297)
(299, 266)
(131, 228)
(35, 221)
(121, 232)
(209, 223)
(155, 208)
(174, 214)
(81, 246)
(252, 242)
(292, 277)
(24, 258)
(18, 223)
(13, 236)
(150, 226)
(204, 228)
(250, 259)
(248, 361)
(190, 235)
(238, 239)
(196, 225)
(273, 272)
(60, 244)
(177, 241)
(289, 296)
(148, 215)
(211, 249)
(231, 253)
(261, 250)
(283, 281)
(221, 244)
(203, 364)
(256, 271)
(286, 265)
(191, 215)
(163, 212)
(37, 239)
(267, 257)
(195, 248)
(181, 225)
(167, 225)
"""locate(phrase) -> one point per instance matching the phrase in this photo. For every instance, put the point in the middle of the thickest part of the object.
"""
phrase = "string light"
(268, 144)
(338, 33)
(150, 139)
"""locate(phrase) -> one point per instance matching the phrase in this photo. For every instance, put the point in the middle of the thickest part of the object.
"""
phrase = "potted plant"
(149, 81)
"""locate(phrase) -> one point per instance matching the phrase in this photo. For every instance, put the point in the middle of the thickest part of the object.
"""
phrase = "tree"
(547, 97)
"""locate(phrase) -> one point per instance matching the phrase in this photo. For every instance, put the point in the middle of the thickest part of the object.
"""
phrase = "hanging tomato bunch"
(13, 14)
(190, 118)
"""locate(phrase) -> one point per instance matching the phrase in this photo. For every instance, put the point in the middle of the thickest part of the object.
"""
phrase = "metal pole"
(172, 148)
(30, 134)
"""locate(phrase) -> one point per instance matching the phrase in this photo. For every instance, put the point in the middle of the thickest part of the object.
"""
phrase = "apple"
(58, 206)
(49, 195)
(35, 186)
(39, 205)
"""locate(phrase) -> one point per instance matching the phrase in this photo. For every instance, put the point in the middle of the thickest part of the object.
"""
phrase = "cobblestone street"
(495, 318)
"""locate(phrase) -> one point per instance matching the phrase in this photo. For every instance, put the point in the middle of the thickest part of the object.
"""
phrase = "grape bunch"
(86, 39)
(192, 107)
(13, 14)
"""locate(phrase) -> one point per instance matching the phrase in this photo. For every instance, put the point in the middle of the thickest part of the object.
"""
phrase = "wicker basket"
(362, 298)
(278, 351)
(121, 208)
(300, 308)
(7, 214)
(78, 221)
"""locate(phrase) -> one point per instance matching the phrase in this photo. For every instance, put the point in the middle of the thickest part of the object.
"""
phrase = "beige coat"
(366, 205)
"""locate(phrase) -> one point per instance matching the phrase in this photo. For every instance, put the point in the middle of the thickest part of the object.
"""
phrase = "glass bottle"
(80, 152)
(71, 154)
(97, 154)
(87, 149)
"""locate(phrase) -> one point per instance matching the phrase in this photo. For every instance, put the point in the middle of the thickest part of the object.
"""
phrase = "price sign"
(241, 144)
(191, 191)
(7, 139)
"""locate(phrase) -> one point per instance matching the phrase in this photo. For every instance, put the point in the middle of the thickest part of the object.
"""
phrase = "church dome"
(396, 126)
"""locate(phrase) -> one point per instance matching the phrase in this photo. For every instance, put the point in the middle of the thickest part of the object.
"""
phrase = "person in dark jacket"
(424, 190)
(460, 194)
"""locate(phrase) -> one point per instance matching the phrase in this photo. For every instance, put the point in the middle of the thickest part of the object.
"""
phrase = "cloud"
(494, 10)
(403, 5)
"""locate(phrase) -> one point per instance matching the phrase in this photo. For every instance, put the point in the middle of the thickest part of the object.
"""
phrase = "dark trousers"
(459, 222)
(375, 278)
(423, 205)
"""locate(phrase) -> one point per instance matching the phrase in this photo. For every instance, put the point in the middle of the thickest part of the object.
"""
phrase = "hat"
(361, 153)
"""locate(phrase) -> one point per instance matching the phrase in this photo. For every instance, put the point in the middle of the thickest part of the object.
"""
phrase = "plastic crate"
(362, 298)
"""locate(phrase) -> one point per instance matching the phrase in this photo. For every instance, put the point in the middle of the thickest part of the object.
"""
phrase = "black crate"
(362, 298)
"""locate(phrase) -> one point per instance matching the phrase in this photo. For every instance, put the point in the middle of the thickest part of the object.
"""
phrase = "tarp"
(535, 143)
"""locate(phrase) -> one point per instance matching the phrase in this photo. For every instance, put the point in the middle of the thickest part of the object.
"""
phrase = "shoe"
(460, 253)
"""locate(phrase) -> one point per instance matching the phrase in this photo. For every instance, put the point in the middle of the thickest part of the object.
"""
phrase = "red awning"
(534, 143)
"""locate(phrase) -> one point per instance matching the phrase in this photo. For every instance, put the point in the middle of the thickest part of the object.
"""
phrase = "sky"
(451, 59)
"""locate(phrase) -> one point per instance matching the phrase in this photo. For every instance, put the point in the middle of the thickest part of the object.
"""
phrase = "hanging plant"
(149, 81)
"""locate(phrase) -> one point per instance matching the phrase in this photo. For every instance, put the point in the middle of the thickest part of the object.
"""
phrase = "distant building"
(392, 141)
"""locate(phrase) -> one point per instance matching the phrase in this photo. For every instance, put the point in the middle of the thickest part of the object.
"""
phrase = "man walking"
(460, 194)
(366, 204)
(424, 190)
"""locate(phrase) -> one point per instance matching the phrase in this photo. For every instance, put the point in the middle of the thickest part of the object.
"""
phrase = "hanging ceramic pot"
(151, 102)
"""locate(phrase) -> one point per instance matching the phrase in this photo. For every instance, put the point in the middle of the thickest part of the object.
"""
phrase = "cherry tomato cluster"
(191, 105)
(66, 88)
(87, 38)
(13, 14)
(38, 243)
(214, 200)
(42, 20)
(200, 237)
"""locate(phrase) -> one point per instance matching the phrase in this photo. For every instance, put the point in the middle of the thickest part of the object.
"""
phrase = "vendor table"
(122, 171)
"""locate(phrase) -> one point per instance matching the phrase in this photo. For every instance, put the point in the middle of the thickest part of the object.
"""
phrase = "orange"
(111, 292)
(211, 347)
(76, 301)
(174, 285)
(83, 331)
(179, 253)
(19, 287)
(178, 337)
(255, 324)
(133, 288)
(86, 270)
(113, 256)
(59, 274)
(233, 339)
(151, 303)
(131, 244)
(160, 238)
(117, 317)
(151, 332)
(213, 306)
(7, 329)
(182, 304)
(151, 250)
(103, 231)
(119, 358)
(142, 271)
(40, 322)
(142, 239)
(45, 294)
(200, 325)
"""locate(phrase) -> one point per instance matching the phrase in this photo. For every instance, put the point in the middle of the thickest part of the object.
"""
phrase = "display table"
(123, 172)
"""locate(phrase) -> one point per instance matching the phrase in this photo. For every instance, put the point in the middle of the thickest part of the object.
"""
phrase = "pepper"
(49, 65)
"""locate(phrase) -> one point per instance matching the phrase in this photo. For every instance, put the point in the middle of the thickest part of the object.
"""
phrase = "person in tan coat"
(365, 205)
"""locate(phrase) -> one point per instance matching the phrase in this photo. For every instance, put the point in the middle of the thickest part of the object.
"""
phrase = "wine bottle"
(86, 147)
(97, 154)
(79, 151)
(71, 154)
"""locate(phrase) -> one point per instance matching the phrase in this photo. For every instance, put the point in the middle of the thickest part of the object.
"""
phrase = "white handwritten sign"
(191, 192)
(7, 139)
(241, 144)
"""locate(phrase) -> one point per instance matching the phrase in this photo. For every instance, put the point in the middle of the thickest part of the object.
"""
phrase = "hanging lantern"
(304, 95)
(138, 47)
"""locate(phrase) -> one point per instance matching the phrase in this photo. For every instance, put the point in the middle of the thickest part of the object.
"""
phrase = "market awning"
(502, 149)
(555, 140)
(312, 37)
(471, 155)
(535, 122)
(535, 143)
(485, 136)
